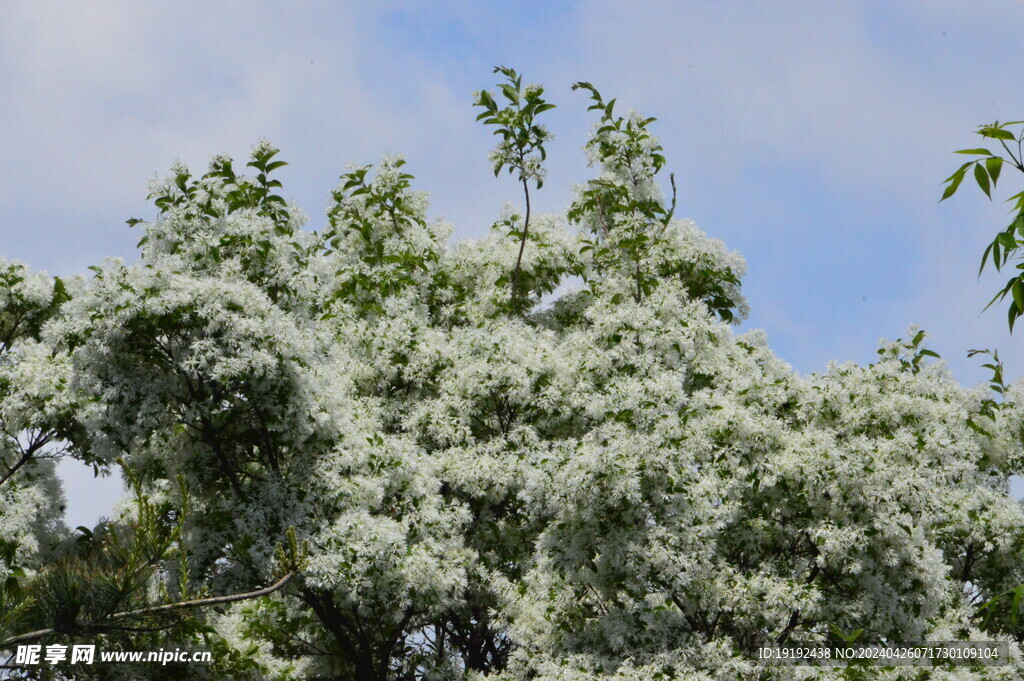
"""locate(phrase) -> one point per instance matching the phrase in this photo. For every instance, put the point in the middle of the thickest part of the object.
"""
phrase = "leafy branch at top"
(623, 144)
(389, 199)
(990, 406)
(986, 170)
(222, 191)
(909, 353)
(624, 207)
(521, 149)
(632, 130)
(380, 210)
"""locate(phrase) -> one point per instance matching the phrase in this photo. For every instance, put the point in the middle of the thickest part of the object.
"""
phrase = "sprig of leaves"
(910, 353)
(521, 149)
(627, 220)
(1007, 603)
(392, 201)
(633, 130)
(376, 208)
(986, 170)
(237, 191)
(516, 123)
(990, 406)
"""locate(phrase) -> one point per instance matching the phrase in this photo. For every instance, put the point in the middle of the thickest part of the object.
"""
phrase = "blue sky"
(812, 137)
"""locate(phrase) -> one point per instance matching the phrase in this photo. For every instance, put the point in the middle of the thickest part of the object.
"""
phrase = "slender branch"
(794, 618)
(155, 610)
(201, 602)
(1016, 161)
(672, 210)
(522, 242)
(27, 455)
(14, 469)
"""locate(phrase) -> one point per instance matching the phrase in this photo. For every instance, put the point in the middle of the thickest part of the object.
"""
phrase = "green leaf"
(999, 296)
(984, 152)
(996, 133)
(954, 182)
(959, 171)
(1018, 294)
(981, 176)
(994, 165)
(510, 92)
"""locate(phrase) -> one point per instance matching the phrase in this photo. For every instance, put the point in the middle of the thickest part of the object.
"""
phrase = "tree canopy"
(365, 453)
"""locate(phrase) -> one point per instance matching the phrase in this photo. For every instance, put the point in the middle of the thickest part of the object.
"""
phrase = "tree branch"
(522, 243)
(155, 610)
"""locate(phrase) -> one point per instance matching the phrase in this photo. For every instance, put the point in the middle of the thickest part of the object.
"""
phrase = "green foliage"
(628, 218)
(22, 315)
(239, 191)
(910, 354)
(521, 149)
(391, 200)
(622, 141)
(204, 220)
(14, 601)
(990, 406)
(986, 170)
(104, 573)
(375, 219)
(1002, 612)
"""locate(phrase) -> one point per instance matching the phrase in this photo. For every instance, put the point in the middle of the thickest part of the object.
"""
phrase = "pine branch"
(155, 610)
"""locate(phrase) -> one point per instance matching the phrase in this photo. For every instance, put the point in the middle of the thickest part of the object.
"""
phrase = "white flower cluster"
(33, 395)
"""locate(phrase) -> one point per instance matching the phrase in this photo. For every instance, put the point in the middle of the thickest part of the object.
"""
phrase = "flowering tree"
(545, 454)
(34, 418)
